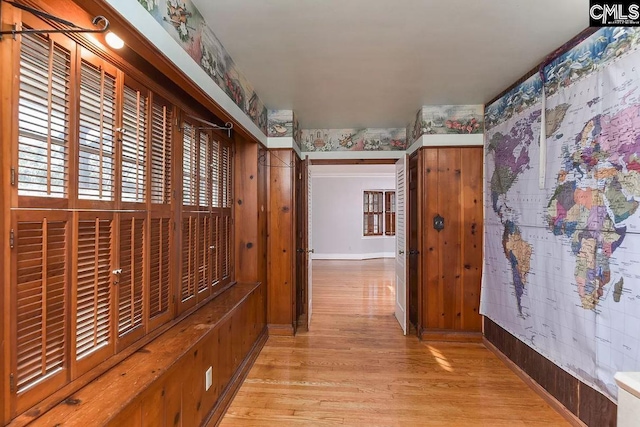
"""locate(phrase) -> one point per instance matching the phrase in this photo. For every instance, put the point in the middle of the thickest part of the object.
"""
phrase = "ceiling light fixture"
(114, 41)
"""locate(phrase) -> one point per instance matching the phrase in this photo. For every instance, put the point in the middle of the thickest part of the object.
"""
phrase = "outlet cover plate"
(208, 378)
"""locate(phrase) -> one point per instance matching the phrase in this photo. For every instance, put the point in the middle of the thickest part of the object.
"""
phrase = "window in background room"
(373, 209)
(390, 213)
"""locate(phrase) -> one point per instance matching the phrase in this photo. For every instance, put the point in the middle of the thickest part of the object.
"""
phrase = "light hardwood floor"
(355, 368)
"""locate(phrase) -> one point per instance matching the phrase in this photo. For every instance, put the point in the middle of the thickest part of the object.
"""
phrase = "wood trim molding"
(537, 388)
(280, 330)
(450, 336)
(354, 161)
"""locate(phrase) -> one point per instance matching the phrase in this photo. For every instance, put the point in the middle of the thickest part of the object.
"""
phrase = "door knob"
(300, 250)
(414, 252)
(438, 223)
(311, 251)
(401, 252)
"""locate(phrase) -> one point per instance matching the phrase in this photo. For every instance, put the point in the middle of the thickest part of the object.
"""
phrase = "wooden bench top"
(100, 400)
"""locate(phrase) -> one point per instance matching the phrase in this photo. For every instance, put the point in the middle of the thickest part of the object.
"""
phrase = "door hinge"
(12, 383)
(299, 175)
(11, 239)
(13, 176)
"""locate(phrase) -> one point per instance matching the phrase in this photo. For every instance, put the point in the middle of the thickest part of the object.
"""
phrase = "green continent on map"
(554, 118)
(594, 194)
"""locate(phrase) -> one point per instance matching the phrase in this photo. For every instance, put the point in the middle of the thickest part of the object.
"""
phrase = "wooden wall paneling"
(210, 358)
(173, 398)
(472, 235)
(130, 417)
(193, 376)
(549, 380)
(246, 210)
(450, 241)
(152, 405)
(263, 195)
(595, 409)
(225, 355)
(280, 298)
(432, 283)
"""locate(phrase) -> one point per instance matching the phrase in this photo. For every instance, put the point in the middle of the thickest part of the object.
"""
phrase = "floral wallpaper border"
(182, 20)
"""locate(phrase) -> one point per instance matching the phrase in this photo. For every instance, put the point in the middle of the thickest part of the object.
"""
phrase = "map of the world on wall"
(562, 263)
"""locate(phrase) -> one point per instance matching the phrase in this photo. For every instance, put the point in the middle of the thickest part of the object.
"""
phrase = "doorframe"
(421, 198)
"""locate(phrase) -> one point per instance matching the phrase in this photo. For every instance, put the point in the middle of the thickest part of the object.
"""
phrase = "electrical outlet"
(208, 378)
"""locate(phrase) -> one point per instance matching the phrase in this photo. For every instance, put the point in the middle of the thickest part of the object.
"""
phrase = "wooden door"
(414, 243)
(452, 265)
(301, 236)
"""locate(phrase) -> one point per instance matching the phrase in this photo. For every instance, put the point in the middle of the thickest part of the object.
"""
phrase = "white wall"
(337, 192)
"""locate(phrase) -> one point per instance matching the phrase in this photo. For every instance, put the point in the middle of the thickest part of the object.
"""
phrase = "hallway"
(355, 368)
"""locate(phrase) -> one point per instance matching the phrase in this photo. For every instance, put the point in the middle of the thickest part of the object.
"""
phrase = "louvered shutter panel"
(159, 275)
(189, 164)
(204, 254)
(97, 126)
(134, 145)
(204, 185)
(189, 258)
(215, 174)
(43, 118)
(41, 294)
(215, 251)
(226, 247)
(161, 153)
(131, 281)
(226, 176)
(93, 293)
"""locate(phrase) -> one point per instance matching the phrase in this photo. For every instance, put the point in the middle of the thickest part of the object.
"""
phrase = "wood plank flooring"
(355, 368)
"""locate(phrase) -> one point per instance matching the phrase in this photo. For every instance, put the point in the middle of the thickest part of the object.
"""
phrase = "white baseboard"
(355, 256)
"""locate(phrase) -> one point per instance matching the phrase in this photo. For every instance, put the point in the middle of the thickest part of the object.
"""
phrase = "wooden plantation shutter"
(96, 138)
(160, 216)
(372, 209)
(216, 214)
(93, 341)
(189, 260)
(134, 144)
(189, 164)
(161, 133)
(390, 213)
(41, 295)
(130, 286)
(43, 118)
(225, 234)
(159, 272)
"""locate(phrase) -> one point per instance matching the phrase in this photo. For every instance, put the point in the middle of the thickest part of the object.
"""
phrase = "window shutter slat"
(160, 261)
(189, 258)
(189, 176)
(131, 282)
(43, 118)
(204, 244)
(215, 174)
(94, 286)
(40, 301)
(134, 145)
(226, 176)
(204, 192)
(161, 154)
(97, 127)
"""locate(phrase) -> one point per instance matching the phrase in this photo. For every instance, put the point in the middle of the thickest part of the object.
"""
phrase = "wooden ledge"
(101, 400)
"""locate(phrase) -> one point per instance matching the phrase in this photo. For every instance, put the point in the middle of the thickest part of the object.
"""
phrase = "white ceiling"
(373, 63)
